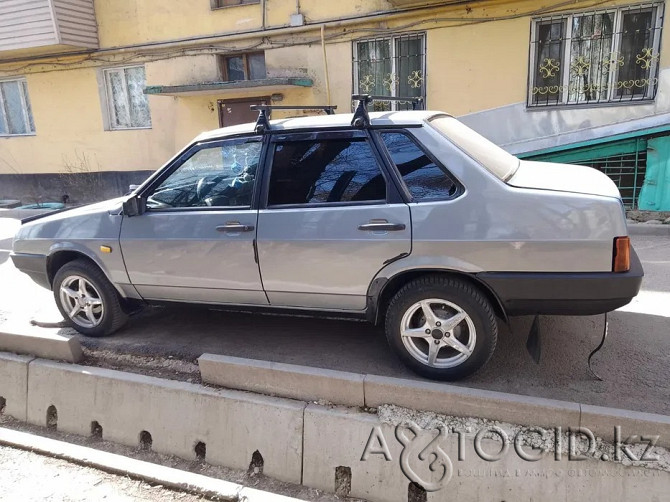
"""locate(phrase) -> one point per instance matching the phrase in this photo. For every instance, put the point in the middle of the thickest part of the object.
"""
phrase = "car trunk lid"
(563, 178)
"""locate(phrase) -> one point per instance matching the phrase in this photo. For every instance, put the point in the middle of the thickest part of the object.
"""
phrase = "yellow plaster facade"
(477, 57)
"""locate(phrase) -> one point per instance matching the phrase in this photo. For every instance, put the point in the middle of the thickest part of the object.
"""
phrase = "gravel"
(469, 427)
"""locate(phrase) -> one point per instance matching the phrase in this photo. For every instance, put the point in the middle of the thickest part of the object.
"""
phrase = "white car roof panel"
(407, 118)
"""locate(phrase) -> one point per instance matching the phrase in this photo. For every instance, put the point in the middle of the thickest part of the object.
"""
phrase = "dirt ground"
(27, 477)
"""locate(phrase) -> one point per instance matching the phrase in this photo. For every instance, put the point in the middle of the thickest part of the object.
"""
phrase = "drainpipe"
(264, 8)
(325, 60)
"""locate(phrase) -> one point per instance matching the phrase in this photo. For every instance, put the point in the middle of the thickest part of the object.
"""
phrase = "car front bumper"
(565, 293)
(34, 265)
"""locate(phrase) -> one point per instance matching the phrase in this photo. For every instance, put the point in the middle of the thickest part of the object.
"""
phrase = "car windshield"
(488, 154)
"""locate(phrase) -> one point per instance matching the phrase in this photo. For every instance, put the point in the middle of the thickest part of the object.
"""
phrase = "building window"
(391, 66)
(249, 66)
(127, 105)
(16, 116)
(217, 4)
(608, 56)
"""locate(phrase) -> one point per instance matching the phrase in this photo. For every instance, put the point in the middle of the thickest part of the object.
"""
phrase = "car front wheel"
(441, 328)
(87, 300)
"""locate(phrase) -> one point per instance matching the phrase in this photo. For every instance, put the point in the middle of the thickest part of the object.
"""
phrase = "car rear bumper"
(552, 293)
(34, 265)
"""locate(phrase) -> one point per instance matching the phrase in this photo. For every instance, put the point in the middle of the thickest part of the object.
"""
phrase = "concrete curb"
(42, 343)
(285, 380)
(325, 447)
(312, 384)
(137, 469)
(169, 416)
(14, 385)
(602, 421)
(466, 402)
(645, 229)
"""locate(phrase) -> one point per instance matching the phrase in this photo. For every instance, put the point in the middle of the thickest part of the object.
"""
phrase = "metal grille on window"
(627, 171)
(597, 57)
(391, 66)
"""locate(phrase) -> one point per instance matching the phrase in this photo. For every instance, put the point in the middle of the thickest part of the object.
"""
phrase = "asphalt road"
(635, 361)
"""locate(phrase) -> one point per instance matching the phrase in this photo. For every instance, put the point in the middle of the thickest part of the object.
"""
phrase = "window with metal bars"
(607, 56)
(391, 66)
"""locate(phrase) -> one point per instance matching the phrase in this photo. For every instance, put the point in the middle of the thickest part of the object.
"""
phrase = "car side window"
(221, 175)
(424, 179)
(325, 171)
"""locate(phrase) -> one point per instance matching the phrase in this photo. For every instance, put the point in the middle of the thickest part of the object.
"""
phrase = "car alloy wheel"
(82, 301)
(438, 333)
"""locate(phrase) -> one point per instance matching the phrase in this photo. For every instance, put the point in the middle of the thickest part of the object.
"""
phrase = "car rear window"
(488, 154)
(424, 179)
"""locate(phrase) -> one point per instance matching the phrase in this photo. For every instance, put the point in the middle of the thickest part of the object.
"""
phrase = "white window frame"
(393, 54)
(109, 97)
(23, 88)
(616, 43)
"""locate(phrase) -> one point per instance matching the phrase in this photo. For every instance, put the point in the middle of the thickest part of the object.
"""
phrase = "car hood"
(111, 205)
(563, 178)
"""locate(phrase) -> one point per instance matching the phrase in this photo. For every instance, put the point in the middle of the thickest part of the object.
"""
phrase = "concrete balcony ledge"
(263, 85)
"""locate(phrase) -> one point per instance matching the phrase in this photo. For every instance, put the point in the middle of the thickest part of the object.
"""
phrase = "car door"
(195, 242)
(331, 218)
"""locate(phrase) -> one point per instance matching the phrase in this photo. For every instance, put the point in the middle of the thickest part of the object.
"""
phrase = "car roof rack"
(264, 112)
(361, 116)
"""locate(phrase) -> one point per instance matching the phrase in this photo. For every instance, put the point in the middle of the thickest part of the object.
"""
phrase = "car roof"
(379, 119)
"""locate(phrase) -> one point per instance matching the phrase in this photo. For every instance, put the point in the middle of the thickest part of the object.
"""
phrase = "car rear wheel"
(442, 328)
(87, 300)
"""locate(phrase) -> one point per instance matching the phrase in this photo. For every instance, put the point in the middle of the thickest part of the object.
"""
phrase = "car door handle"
(382, 226)
(234, 226)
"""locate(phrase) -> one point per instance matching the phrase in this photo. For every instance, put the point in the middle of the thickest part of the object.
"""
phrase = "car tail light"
(621, 261)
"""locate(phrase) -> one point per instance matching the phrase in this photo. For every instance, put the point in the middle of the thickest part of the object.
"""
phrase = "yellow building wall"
(68, 121)
(471, 66)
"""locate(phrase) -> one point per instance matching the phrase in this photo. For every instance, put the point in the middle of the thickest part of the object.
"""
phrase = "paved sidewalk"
(27, 476)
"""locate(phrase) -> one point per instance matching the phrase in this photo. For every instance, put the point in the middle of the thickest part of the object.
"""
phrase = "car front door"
(195, 242)
(331, 218)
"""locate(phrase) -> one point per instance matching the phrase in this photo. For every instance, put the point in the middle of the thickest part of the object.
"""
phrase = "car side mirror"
(134, 206)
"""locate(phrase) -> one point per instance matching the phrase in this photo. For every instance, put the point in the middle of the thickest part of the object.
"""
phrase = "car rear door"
(195, 242)
(330, 219)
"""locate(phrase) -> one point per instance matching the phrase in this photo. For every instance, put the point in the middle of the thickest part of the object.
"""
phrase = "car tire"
(460, 335)
(87, 300)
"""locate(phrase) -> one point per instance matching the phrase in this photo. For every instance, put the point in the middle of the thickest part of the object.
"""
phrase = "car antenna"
(265, 111)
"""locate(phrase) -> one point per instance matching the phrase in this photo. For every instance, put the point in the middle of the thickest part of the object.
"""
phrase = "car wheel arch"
(382, 289)
(59, 257)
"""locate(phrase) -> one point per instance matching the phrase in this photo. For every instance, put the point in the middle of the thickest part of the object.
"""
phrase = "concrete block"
(178, 415)
(209, 488)
(466, 402)
(341, 438)
(41, 342)
(14, 384)
(651, 229)
(286, 380)
(602, 421)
